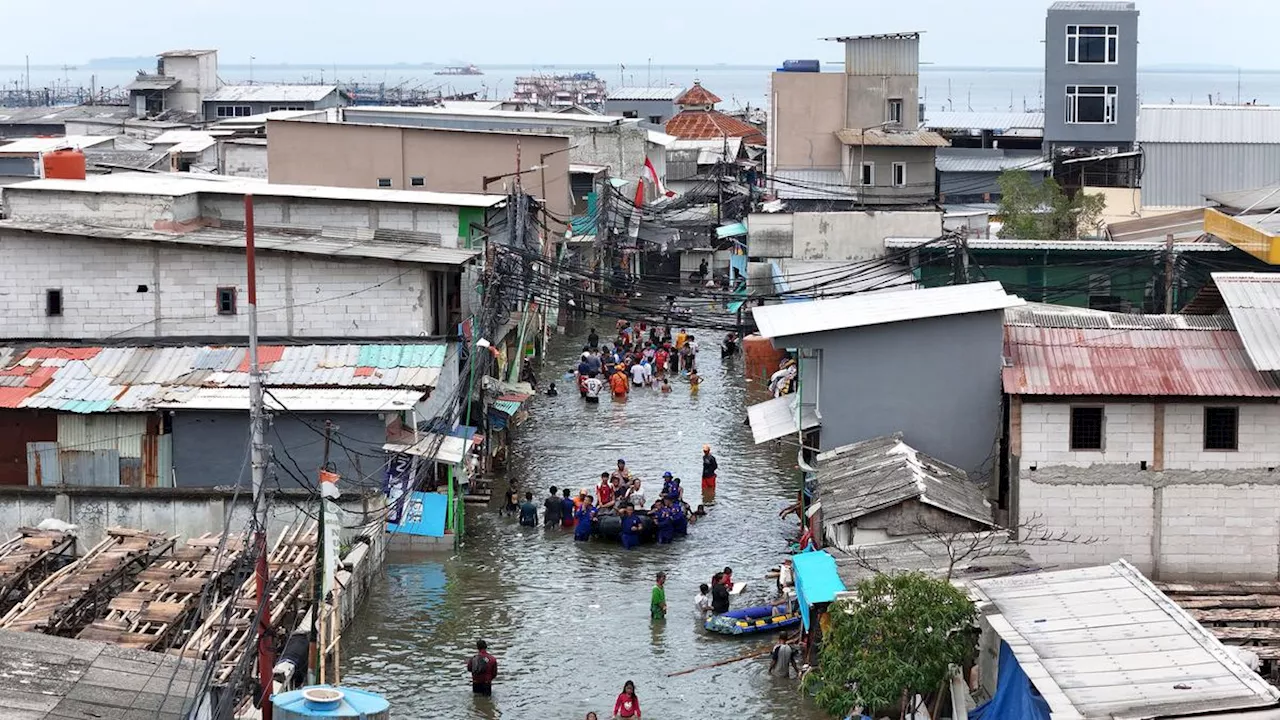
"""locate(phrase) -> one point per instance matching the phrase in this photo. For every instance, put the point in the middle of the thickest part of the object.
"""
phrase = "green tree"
(1044, 212)
(895, 639)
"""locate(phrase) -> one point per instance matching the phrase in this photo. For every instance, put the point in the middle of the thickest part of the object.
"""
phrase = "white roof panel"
(646, 93)
(864, 309)
(776, 418)
(1103, 642)
(983, 121)
(271, 93)
(295, 399)
(448, 449)
(1241, 124)
(1253, 299)
(47, 144)
(472, 112)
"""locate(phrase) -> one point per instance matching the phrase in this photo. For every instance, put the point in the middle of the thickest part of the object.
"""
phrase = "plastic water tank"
(326, 701)
(64, 164)
(801, 66)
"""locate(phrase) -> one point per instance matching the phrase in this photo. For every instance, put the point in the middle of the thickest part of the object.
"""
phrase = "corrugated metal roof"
(295, 399)
(872, 475)
(882, 138)
(1153, 363)
(178, 184)
(1000, 121)
(1094, 6)
(1183, 225)
(48, 144)
(152, 82)
(446, 449)
(1262, 199)
(992, 160)
(1254, 124)
(1103, 642)
(880, 308)
(1183, 245)
(1253, 299)
(328, 241)
(646, 93)
(271, 93)
(141, 378)
(813, 184)
(934, 556)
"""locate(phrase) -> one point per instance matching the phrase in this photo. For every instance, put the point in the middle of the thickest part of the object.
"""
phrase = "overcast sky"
(1236, 33)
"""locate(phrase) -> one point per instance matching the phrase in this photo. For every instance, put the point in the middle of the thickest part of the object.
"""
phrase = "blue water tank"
(800, 66)
(326, 701)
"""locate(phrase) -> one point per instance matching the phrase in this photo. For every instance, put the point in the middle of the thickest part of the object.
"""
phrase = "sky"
(1228, 33)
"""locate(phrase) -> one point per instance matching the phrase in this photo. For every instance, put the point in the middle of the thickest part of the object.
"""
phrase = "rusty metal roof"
(134, 379)
(1181, 362)
(884, 138)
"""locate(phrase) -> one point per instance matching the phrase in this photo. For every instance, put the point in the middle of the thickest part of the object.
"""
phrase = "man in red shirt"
(604, 491)
(483, 668)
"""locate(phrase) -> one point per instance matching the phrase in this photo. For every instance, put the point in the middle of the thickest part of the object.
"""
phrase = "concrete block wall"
(442, 219)
(1206, 515)
(109, 209)
(243, 160)
(303, 296)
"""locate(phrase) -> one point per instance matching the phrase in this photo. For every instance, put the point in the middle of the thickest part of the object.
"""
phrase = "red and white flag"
(657, 182)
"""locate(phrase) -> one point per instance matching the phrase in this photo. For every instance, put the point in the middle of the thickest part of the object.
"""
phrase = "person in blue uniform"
(584, 516)
(668, 484)
(666, 527)
(630, 528)
(679, 520)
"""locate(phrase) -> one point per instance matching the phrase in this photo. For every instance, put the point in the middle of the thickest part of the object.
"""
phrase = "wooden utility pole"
(1168, 273)
(317, 580)
(266, 643)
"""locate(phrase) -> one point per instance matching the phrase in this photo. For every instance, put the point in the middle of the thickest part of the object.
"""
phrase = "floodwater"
(569, 622)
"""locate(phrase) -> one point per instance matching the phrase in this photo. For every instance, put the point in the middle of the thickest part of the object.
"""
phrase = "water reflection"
(569, 622)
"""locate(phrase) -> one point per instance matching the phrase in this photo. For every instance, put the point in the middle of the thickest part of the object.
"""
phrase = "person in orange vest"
(620, 384)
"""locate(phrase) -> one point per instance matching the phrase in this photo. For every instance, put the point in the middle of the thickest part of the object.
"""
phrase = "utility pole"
(266, 648)
(1168, 273)
(317, 581)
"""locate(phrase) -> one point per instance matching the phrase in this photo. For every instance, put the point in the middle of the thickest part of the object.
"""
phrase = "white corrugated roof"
(190, 140)
(47, 144)
(993, 160)
(776, 418)
(865, 309)
(549, 118)
(1183, 245)
(646, 93)
(271, 93)
(1253, 299)
(983, 121)
(1103, 642)
(176, 184)
(295, 399)
(1209, 124)
(448, 449)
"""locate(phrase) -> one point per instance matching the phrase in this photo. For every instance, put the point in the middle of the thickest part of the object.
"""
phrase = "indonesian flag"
(633, 229)
(653, 178)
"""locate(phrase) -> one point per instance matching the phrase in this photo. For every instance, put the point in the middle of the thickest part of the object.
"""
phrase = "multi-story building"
(852, 137)
(1091, 75)
(182, 80)
(657, 105)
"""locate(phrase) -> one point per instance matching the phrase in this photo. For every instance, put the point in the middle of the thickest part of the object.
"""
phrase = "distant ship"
(460, 70)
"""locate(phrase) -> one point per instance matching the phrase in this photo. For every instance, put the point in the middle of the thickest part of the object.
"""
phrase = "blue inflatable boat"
(758, 619)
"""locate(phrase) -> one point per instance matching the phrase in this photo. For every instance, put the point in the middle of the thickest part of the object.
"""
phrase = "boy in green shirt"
(658, 600)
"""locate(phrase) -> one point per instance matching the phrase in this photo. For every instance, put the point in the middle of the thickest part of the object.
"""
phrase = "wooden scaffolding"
(28, 558)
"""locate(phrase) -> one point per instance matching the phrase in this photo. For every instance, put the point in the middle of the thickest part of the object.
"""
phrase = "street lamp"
(542, 162)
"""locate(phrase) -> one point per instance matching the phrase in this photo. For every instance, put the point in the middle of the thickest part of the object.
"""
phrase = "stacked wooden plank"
(151, 615)
(72, 597)
(1237, 613)
(229, 630)
(27, 559)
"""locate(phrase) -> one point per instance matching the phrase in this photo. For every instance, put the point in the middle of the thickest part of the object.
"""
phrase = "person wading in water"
(483, 668)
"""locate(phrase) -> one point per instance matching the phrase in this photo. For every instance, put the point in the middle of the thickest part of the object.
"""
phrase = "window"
(868, 174)
(1086, 428)
(899, 174)
(1221, 426)
(274, 108)
(1092, 44)
(417, 181)
(53, 302)
(1091, 104)
(384, 182)
(655, 119)
(893, 111)
(630, 114)
(225, 111)
(226, 301)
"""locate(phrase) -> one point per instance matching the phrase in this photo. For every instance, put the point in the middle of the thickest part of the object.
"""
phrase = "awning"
(729, 230)
(776, 418)
(295, 399)
(817, 580)
(443, 449)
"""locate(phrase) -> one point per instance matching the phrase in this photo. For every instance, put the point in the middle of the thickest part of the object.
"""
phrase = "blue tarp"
(1015, 698)
(423, 515)
(816, 580)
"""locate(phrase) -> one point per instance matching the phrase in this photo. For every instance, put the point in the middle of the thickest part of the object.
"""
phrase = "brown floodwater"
(569, 622)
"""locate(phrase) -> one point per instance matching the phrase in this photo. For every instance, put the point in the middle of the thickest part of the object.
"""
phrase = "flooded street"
(569, 622)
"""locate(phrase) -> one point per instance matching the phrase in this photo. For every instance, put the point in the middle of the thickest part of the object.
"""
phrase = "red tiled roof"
(697, 95)
(712, 124)
(1075, 361)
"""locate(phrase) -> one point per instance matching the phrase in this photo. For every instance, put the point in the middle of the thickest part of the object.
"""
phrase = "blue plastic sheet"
(423, 515)
(816, 580)
(1016, 698)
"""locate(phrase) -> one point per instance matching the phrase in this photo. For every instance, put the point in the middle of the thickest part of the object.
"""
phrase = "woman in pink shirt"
(627, 705)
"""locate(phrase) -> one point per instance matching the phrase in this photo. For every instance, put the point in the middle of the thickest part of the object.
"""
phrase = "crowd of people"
(619, 493)
(640, 356)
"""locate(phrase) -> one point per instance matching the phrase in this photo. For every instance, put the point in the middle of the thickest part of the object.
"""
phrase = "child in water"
(694, 381)
(666, 385)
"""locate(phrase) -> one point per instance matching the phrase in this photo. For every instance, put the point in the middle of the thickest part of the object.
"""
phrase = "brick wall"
(303, 296)
(1208, 515)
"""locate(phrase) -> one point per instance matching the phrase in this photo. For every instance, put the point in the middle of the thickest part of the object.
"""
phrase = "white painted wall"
(857, 235)
(1209, 515)
(239, 159)
(301, 296)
